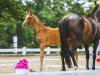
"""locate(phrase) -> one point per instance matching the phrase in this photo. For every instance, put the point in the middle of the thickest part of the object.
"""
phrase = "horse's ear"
(95, 2)
(30, 12)
(26, 12)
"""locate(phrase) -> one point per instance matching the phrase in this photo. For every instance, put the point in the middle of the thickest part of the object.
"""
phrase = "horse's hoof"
(87, 67)
(63, 69)
(31, 70)
(70, 66)
(40, 70)
(93, 68)
(75, 67)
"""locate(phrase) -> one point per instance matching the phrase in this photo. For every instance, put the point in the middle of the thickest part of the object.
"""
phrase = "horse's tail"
(64, 34)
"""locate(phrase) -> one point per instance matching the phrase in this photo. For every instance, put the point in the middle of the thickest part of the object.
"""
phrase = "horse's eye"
(29, 18)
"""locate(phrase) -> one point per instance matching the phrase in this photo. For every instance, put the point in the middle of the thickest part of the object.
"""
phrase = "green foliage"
(11, 12)
(50, 12)
(7, 30)
(25, 36)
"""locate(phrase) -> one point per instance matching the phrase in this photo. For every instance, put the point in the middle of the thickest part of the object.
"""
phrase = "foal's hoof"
(40, 70)
(31, 70)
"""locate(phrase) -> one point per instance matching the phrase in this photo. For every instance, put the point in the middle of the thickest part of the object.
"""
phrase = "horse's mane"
(37, 20)
(52, 28)
(94, 10)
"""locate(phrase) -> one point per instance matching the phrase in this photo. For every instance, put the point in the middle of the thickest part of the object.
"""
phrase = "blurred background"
(50, 12)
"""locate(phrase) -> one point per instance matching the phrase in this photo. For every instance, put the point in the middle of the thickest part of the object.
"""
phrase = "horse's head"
(28, 19)
(96, 12)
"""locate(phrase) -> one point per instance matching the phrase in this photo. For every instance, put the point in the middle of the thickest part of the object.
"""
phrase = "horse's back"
(71, 24)
(52, 38)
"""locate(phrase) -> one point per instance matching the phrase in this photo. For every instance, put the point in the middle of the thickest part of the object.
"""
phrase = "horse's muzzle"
(23, 24)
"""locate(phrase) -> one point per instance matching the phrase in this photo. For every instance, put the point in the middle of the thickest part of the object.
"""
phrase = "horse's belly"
(53, 43)
(53, 39)
(88, 39)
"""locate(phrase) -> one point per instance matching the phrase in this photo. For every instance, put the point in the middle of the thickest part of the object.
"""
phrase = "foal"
(45, 36)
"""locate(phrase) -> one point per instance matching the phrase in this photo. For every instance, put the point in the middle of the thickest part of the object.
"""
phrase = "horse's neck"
(38, 27)
(97, 12)
(93, 16)
(98, 17)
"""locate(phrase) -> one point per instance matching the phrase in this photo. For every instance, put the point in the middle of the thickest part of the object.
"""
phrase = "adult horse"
(81, 31)
(45, 36)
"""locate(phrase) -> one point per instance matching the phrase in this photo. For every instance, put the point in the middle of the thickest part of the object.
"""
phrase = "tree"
(10, 14)
(50, 12)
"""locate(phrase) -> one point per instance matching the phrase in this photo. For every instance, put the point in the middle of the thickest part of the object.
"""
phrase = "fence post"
(91, 58)
(48, 50)
(23, 50)
(15, 44)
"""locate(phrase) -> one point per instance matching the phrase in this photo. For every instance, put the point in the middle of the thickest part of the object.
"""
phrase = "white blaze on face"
(24, 23)
(26, 18)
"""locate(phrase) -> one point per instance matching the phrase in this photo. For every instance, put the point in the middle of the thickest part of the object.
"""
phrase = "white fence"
(48, 50)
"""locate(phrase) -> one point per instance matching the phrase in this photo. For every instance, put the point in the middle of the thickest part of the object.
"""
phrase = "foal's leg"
(96, 42)
(42, 46)
(87, 56)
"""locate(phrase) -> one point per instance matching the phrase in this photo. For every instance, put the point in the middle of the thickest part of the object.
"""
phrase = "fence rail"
(48, 50)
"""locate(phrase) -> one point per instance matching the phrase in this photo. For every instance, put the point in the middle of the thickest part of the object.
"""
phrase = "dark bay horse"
(82, 31)
(45, 36)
